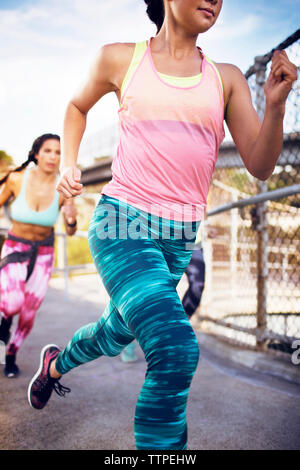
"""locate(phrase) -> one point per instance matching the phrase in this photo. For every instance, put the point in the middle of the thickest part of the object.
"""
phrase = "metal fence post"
(62, 255)
(66, 271)
(233, 248)
(262, 228)
(208, 257)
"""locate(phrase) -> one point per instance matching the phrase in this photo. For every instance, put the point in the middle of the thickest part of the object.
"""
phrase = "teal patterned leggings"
(140, 263)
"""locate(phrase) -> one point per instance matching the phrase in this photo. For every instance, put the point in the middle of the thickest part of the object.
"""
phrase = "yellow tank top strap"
(139, 51)
(216, 70)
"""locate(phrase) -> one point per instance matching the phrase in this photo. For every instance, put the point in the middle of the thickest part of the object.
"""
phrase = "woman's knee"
(177, 354)
(26, 320)
(12, 302)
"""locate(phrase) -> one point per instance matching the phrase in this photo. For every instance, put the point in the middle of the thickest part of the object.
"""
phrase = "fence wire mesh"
(252, 289)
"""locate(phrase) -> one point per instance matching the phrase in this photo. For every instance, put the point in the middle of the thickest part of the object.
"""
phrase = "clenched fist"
(69, 184)
(280, 81)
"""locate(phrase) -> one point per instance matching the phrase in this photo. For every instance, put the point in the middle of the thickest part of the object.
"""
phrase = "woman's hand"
(69, 184)
(70, 212)
(280, 81)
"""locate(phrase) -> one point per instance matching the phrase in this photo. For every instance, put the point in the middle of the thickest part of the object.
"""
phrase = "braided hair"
(37, 144)
(156, 12)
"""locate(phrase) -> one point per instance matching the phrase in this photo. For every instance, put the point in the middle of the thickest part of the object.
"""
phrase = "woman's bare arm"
(6, 191)
(259, 144)
(105, 76)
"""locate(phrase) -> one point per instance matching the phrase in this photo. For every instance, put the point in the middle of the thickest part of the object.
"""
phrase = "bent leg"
(106, 337)
(35, 291)
(139, 282)
(144, 304)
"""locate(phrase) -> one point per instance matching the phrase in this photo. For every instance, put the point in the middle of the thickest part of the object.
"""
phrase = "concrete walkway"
(232, 403)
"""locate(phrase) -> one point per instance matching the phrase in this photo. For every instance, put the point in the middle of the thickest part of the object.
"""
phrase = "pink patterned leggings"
(21, 297)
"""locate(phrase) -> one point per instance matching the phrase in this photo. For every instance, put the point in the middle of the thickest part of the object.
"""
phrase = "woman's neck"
(175, 42)
(43, 176)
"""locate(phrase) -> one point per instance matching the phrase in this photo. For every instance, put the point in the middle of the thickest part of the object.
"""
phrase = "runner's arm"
(104, 77)
(6, 191)
(260, 144)
(69, 212)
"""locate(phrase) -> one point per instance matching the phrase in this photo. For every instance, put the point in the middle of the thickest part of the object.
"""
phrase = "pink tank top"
(169, 141)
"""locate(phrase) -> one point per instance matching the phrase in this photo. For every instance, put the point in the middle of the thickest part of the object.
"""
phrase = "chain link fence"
(252, 290)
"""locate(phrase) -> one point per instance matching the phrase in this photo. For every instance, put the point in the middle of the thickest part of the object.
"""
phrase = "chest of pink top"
(169, 142)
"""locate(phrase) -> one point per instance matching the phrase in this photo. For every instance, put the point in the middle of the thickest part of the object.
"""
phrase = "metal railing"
(64, 268)
(252, 292)
(232, 317)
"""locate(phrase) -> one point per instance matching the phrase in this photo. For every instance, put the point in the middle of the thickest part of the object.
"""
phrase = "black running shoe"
(42, 385)
(11, 369)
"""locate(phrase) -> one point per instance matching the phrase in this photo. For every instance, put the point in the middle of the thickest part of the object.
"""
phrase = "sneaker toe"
(11, 373)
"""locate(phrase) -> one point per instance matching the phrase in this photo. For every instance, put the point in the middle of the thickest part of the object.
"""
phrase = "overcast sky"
(47, 46)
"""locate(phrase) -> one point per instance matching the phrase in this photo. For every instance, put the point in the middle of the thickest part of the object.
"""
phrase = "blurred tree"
(5, 159)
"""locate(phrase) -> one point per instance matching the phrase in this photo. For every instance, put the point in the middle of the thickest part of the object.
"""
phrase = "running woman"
(173, 101)
(27, 255)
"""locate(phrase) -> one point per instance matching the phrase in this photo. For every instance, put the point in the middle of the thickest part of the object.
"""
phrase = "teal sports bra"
(20, 212)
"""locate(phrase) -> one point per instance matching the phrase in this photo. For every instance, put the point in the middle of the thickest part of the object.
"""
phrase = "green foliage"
(5, 158)
(238, 178)
(78, 251)
(2, 238)
(286, 177)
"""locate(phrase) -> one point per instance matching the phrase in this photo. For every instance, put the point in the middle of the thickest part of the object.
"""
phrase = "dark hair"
(156, 12)
(37, 144)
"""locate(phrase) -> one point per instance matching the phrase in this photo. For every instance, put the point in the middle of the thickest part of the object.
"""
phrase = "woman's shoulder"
(112, 62)
(112, 56)
(231, 75)
(117, 52)
(14, 182)
(228, 69)
(16, 177)
(116, 47)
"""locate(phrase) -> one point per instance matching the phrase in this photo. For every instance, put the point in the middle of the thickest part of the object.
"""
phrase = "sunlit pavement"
(230, 406)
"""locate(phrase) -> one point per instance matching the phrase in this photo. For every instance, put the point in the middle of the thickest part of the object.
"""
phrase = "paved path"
(229, 407)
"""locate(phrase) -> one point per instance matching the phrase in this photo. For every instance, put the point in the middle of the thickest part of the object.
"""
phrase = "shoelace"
(57, 386)
(60, 389)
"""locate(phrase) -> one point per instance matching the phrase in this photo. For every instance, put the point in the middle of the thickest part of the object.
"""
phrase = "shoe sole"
(38, 371)
(12, 375)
